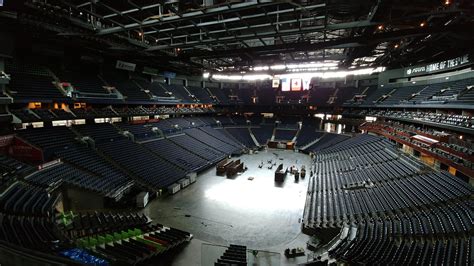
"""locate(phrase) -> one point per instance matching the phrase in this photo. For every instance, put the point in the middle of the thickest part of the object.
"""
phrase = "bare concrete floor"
(221, 211)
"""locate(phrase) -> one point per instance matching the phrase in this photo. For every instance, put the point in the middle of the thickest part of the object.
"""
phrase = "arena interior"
(211, 132)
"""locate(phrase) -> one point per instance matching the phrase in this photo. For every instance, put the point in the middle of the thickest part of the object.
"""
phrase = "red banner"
(295, 84)
(23, 151)
(136, 122)
(5, 142)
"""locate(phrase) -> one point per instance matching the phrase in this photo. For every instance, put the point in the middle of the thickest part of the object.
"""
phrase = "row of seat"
(329, 207)
(207, 152)
(99, 132)
(87, 159)
(218, 144)
(371, 245)
(379, 147)
(234, 255)
(327, 140)
(31, 232)
(222, 135)
(194, 151)
(24, 199)
(53, 176)
(25, 209)
(350, 143)
(390, 209)
(283, 134)
(446, 119)
(459, 155)
(36, 82)
(91, 113)
(134, 245)
(307, 134)
(377, 173)
(48, 137)
(242, 134)
(450, 91)
(141, 162)
(80, 224)
(117, 238)
(172, 152)
(11, 169)
(262, 133)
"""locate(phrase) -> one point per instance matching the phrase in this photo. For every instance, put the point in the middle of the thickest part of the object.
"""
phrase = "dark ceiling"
(190, 36)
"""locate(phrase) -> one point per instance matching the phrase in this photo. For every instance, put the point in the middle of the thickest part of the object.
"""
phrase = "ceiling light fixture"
(333, 74)
(302, 66)
(323, 75)
(241, 77)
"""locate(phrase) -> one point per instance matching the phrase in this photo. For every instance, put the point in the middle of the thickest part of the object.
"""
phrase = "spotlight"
(380, 27)
(447, 2)
(422, 24)
(396, 46)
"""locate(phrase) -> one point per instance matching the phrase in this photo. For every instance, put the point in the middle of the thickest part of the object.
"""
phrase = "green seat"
(93, 241)
(125, 234)
(158, 246)
(109, 238)
(117, 236)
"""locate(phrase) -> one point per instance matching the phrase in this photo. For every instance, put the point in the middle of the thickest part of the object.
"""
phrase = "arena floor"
(257, 213)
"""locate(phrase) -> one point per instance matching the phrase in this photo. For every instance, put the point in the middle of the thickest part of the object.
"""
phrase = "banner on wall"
(295, 84)
(276, 83)
(5, 142)
(306, 82)
(48, 164)
(23, 151)
(438, 66)
(125, 65)
(168, 74)
(285, 84)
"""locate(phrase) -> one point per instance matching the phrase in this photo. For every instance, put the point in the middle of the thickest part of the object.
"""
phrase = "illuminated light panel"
(303, 75)
(241, 77)
(260, 68)
(313, 65)
(333, 74)
(277, 67)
